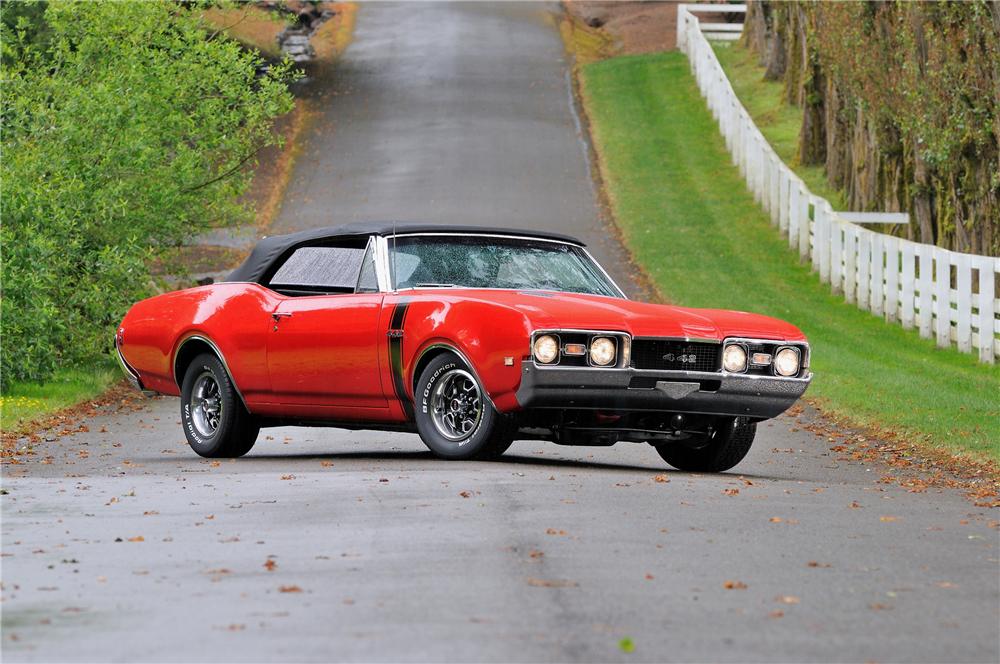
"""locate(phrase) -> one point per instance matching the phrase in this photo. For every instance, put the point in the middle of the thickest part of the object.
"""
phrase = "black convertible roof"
(270, 249)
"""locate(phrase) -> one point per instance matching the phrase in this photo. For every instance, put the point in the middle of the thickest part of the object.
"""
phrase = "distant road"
(127, 547)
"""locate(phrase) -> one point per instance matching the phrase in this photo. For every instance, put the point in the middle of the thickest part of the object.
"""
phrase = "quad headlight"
(786, 362)
(734, 358)
(602, 351)
(546, 349)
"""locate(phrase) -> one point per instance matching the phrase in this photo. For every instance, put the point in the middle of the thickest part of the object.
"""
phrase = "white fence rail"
(944, 294)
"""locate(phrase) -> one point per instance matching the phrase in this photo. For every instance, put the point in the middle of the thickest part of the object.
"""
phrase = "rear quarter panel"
(234, 317)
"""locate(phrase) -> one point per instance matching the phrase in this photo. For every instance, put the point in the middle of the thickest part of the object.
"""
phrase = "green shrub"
(128, 128)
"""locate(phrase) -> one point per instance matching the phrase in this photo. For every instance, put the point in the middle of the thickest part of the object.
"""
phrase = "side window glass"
(368, 281)
(319, 270)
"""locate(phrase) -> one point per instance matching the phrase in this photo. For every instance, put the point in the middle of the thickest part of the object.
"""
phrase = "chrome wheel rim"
(456, 405)
(206, 404)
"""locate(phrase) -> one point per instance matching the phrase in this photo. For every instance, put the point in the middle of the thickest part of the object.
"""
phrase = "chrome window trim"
(618, 335)
(385, 238)
(222, 358)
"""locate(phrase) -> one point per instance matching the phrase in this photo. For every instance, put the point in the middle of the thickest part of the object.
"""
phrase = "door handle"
(278, 315)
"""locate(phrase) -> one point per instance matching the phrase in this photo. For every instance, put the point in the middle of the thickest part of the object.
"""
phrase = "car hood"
(554, 310)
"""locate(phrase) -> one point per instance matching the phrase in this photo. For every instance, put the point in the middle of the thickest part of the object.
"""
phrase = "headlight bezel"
(798, 361)
(742, 347)
(614, 351)
(557, 349)
(569, 337)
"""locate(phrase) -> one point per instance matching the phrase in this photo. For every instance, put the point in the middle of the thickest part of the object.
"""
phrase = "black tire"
(722, 451)
(216, 424)
(455, 418)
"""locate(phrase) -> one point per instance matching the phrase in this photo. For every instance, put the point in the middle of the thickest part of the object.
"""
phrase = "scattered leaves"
(270, 565)
(734, 585)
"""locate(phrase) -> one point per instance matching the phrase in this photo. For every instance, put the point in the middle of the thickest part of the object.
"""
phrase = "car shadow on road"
(512, 460)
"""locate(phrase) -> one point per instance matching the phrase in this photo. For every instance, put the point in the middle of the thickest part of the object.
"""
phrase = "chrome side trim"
(130, 372)
(461, 355)
(222, 358)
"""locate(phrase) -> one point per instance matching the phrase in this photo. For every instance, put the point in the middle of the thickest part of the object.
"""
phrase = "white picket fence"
(905, 282)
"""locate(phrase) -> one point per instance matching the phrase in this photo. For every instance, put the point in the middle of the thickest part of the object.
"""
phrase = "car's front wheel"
(455, 418)
(718, 451)
(216, 423)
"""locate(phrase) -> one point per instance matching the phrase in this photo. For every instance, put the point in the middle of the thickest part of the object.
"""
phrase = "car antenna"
(392, 272)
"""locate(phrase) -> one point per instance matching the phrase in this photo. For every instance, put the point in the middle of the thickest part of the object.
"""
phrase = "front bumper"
(663, 391)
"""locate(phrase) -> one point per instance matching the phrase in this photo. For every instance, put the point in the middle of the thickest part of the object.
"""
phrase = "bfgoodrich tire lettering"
(454, 416)
(215, 422)
(723, 450)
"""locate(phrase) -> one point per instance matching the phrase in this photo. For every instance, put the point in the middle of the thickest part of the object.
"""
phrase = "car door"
(322, 346)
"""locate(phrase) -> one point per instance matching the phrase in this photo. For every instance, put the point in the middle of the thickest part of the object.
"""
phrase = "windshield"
(426, 261)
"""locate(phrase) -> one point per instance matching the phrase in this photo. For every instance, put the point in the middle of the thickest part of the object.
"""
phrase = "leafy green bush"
(127, 128)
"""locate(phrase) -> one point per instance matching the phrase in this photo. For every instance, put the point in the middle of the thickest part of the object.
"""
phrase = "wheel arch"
(191, 347)
(436, 349)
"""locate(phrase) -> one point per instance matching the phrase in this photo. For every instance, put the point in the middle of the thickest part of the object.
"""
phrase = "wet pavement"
(120, 544)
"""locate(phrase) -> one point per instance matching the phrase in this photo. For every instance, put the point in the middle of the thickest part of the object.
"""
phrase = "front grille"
(676, 354)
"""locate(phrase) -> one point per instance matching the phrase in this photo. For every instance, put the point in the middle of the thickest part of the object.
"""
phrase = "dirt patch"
(630, 28)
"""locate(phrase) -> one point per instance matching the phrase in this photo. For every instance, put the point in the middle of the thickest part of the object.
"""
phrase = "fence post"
(864, 267)
(793, 213)
(836, 252)
(926, 313)
(891, 278)
(875, 296)
(942, 293)
(987, 323)
(850, 262)
(804, 224)
(963, 265)
(907, 284)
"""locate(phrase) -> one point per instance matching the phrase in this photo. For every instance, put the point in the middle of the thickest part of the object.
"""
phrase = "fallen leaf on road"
(787, 599)
(887, 519)
(813, 563)
(535, 554)
(649, 577)
(137, 538)
(150, 513)
(855, 505)
(661, 479)
(464, 494)
(288, 477)
(626, 645)
(878, 606)
(289, 589)
(553, 531)
(326, 464)
(731, 492)
(734, 585)
(270, 565)
(945, 584)
(215, 464)
(776, 519)
(777, 613)
(551, 583)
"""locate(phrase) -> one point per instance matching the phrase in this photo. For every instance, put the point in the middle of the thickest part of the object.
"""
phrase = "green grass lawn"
(25, 402)
(779, 122)
(687, 216)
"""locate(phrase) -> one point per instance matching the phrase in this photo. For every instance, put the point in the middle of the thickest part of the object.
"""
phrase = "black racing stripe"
(396, 357)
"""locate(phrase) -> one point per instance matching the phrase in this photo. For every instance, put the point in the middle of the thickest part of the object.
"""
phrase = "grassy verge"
(779, 122)
(24, 402)
(687, 216)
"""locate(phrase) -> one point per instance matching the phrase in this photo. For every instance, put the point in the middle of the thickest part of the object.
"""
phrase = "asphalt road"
(120, 544)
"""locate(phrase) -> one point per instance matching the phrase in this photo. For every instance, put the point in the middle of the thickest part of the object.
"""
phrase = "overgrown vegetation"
(127, 128)
(900, 105)
(686, 215)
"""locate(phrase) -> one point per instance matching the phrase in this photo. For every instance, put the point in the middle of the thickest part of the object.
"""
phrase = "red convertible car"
(473, 337)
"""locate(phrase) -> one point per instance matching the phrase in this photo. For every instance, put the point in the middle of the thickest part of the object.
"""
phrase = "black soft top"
(270, 249)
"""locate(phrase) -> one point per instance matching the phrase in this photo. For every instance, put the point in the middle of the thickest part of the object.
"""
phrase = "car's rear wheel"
(716, 452)
(455, 417)
(216, 423)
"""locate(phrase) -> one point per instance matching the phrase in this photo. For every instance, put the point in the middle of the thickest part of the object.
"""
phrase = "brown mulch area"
(635, 27)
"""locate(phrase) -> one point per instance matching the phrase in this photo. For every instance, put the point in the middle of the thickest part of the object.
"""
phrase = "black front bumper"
(663, 391)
